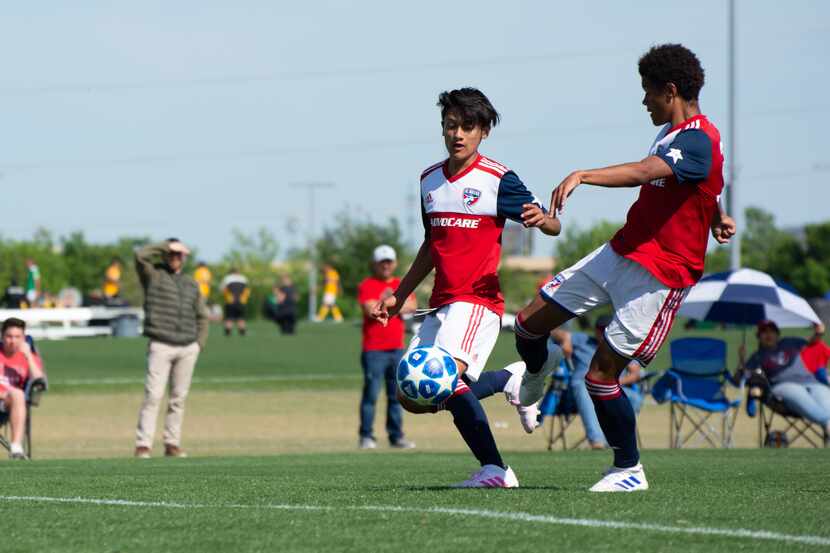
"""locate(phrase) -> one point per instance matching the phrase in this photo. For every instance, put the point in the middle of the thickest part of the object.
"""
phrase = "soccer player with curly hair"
(648, 267)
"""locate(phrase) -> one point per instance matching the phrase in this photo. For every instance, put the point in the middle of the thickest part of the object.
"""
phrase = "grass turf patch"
(318, 356)
(348, 502)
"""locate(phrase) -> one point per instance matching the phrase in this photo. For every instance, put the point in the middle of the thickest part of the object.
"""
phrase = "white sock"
(16, 448)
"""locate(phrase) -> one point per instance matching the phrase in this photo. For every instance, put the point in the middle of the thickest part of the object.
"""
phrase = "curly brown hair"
(673, 63)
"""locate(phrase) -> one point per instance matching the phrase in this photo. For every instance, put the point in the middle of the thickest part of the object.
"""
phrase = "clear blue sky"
(189, 118)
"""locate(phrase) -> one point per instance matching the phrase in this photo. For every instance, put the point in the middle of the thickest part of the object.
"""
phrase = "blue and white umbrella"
(745, 297)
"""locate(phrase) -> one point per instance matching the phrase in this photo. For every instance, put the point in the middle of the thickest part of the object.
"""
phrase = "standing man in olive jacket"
(176, 322)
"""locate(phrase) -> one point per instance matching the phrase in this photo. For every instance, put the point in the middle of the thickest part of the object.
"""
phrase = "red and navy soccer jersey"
(667, 228)
(464, 216)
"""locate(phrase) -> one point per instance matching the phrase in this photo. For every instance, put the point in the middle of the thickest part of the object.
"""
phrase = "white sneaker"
(367, 443)
(632, 479)
(491, 476)
(528, 416)
(533, 385)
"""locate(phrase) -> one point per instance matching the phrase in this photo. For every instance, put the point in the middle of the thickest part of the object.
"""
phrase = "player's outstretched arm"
(626, 175)
(419, 270)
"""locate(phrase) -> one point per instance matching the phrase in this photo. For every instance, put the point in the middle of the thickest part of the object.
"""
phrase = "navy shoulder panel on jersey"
(689, 155)
(425, 220)
(513, 194)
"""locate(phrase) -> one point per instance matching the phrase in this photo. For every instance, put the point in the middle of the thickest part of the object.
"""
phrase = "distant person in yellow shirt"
(331, 288)
(203, 278)
(236, 293)
(112, 279)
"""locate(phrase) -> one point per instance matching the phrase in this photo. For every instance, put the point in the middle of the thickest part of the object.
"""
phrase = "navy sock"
(471, 421)
(617, 420)
(490, 383)
(532, 348)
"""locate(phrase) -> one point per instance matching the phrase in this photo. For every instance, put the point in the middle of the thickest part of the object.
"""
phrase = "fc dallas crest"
(471, 196)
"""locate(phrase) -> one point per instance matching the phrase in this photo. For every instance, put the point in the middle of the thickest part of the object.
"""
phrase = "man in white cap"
(382, 350)
(176, 322)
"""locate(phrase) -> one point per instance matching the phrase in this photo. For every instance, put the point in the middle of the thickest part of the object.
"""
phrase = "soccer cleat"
(367, 443)
(533, 384)
(528, 416)
(402, 443)
(491, 476)
(631, 479)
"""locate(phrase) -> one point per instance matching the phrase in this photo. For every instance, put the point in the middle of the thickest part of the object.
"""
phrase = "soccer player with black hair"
(648, 267)
(465, 201)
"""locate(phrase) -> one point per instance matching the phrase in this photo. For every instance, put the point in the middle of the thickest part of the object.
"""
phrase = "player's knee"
(606, 363)
(15, 396)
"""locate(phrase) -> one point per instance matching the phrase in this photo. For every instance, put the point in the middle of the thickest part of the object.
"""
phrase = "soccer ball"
(427, 375)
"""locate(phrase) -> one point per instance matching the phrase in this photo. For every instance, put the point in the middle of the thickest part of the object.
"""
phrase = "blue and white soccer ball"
(427, 375)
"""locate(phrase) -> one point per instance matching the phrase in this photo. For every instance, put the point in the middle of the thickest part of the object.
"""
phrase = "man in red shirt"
(646, 270)
(19, 364)
(382, 350)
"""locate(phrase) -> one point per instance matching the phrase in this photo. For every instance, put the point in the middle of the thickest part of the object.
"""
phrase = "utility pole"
(311, 235)
(732, 202)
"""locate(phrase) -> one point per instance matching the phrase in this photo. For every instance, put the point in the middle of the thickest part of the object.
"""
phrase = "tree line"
(800, 258)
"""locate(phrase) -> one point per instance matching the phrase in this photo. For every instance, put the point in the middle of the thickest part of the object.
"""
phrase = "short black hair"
(471, 105)
(673, 63)
(13, 322)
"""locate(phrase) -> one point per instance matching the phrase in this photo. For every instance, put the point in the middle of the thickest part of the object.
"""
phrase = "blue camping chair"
(761, 402)
(695, 388)
(559, 404)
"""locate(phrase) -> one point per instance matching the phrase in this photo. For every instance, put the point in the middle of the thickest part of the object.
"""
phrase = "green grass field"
(700, 501)
(318, 356)
(271, 427)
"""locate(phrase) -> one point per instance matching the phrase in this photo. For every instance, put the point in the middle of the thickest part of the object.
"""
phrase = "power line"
(283, 76)
(7, 167)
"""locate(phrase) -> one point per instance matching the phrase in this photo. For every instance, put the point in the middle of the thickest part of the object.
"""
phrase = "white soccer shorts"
(644, 307)
(329, 299)
(468, 331)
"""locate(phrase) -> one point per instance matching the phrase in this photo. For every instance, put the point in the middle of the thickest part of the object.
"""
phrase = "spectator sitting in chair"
(20, 364)
(579, 347)
(780, 360)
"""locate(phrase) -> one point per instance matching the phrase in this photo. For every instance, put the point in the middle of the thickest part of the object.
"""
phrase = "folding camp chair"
(761, 402)
(695, 388)
(559, 404)
(33, 389)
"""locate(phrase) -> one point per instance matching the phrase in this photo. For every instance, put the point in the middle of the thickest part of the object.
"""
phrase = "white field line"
(739, 533)
(212, 380)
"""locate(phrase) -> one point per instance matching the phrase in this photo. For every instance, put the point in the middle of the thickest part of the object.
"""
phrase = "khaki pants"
(165, 362)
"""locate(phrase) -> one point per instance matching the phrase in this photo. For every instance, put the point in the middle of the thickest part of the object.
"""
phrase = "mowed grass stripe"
(738, 533)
